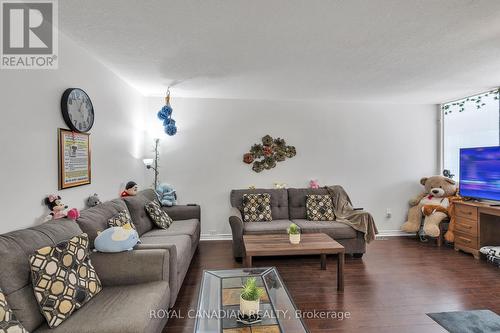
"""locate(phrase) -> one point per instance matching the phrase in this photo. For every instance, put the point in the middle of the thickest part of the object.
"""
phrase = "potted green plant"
(294, 233)
(250, 297)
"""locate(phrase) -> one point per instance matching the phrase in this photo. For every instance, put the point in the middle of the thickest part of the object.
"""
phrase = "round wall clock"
(77, 110)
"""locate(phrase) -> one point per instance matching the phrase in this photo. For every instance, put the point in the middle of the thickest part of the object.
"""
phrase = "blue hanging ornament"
(171, 129)
(165, 114)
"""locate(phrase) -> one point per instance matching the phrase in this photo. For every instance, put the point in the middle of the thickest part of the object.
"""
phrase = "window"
(470, 122)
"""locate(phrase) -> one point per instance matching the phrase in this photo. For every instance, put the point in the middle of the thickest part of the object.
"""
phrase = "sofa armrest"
(183, 212)
(131, 267)
(236, 223)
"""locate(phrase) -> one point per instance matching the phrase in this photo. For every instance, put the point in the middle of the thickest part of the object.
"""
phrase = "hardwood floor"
(390, 289)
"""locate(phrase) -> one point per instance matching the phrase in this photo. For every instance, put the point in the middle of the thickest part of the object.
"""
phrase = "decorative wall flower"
(268, 151)
(248, 158)
(267, 140)
(265, 156)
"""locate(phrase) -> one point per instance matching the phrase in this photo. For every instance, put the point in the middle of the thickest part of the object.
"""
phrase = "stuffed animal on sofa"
(314, 184)
(131, 189)
(432, 204)
(116, 239)
(56, 206)
(93, 200)
(166, 194)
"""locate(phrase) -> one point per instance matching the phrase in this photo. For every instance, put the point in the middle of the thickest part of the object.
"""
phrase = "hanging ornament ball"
(171, 129)
(165, 112)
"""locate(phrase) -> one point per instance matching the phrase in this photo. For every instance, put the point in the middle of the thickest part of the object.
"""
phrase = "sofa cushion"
(297, 200)
(319, 208)
(190, 228)
(120, 219)
(15, 249)
(259, 228)
(159, 216)
(136, 206)
(8, 320)
(63, 278)
(96, 218)
(257, 207)
(279, 201)
(124, 309)
(336, 230)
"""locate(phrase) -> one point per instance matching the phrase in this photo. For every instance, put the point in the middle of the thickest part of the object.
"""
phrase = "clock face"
(77, 109)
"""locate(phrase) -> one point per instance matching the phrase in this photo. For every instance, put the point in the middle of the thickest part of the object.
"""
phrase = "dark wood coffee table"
(310, 244)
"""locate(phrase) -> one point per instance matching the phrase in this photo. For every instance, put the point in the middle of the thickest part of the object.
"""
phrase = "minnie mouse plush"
(58, 209)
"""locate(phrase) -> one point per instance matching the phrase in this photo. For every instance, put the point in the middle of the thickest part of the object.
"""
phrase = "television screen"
(480, 173)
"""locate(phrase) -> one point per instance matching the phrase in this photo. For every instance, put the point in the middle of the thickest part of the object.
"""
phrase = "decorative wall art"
(267, 154)
(74, 159)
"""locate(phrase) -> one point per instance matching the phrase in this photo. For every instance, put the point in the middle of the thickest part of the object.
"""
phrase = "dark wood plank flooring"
(390, 289)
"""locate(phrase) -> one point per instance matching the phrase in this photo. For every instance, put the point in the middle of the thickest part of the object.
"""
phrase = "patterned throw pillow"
(120, 219)
(8, 321)
(319, 208)
(63, 278)
(257, 207)
(158, 215)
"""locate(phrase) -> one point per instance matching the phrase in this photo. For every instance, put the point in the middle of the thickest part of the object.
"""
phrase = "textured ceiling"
(413, 51)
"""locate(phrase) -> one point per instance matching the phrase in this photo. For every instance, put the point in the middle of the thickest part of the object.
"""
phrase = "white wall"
(377, 152)
(30, 117)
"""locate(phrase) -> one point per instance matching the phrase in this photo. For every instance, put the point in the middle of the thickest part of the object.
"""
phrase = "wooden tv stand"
(477, 225)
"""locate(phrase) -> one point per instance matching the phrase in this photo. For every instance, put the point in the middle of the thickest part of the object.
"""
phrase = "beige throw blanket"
(345, 213)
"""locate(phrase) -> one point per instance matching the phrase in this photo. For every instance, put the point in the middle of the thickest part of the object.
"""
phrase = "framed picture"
(74, 159)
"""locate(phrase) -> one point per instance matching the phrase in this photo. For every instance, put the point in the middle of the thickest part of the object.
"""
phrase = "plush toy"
(130, 189)
(252, 187)
(56, 206)
(432, 204)
(116, 239)
(73, 214)
(93, 200)
(314, 183)
(166, 194)
(280, 185)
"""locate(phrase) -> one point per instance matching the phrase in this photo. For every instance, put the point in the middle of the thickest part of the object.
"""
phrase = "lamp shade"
(148, 161)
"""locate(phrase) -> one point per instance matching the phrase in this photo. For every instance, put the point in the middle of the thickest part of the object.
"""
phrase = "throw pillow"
(319, 208)
(8, 321)
(158, 215)
(63, 278)
(120, 219)
(257, 207)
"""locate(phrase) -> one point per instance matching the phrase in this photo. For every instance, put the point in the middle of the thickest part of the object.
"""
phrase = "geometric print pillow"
(8, 321)
(63, 278)
(158, 215)
(319, 208)
(257, 207)
(120, 219)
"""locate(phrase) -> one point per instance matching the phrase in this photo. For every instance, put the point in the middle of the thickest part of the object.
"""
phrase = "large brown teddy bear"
(433, 204)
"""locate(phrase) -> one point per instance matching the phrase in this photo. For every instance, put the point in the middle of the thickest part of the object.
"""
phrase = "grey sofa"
(134, 282)
(287, 206)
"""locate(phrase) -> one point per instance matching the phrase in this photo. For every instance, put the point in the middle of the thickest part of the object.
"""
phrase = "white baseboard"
(383, 233)
(209, 237)
(394, 233)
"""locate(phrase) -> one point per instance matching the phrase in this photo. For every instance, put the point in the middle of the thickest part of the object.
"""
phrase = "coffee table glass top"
(219, 299)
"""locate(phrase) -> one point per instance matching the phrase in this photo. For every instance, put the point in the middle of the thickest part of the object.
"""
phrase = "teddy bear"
(166, 194)
(432, 204)
(314, 184)
(58, 208)
(93, 200)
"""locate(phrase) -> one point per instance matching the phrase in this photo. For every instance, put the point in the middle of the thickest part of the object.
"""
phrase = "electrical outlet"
(388, 213)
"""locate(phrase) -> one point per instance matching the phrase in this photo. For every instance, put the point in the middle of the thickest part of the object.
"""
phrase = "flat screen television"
(480, 173)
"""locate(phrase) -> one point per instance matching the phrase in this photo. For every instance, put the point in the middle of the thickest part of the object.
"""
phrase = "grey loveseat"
(287, 206)
(135, 282)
